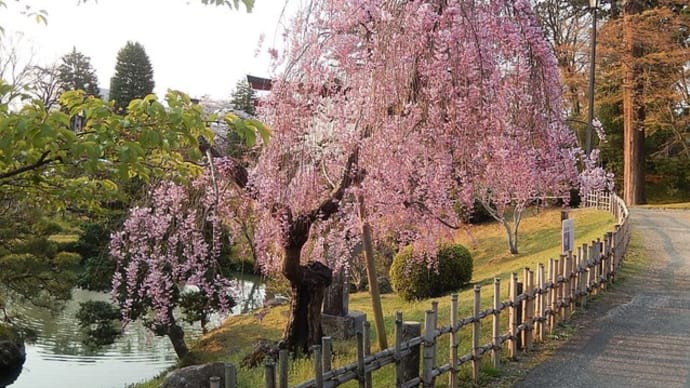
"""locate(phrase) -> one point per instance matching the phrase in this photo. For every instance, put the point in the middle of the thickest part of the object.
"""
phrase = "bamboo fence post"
(367, 351)
(512, 316)
(397, 349)
(475, 333)
(453, 375)
(360, 357)
(578, 276)
(562, 286)
(407, 368)
(434, 307)
(327, 353)
(541, 305)
(429, 349)
(318, 371)
(571, 282)
(230, 375)
(526, 310)
(270, 373)
(587, 274)
(595, 261)
(552, 297)
(283, 356)
(600, 254)
(495, 350)
(519, 316)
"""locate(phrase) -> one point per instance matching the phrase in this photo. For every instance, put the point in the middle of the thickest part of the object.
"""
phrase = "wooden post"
(407, 368)
(429, 349)
(327, 353)
(453, 351)
(475, 333)
(367, 351)
(562, 286)
(495, 334)
(230, 376)
(578, 276)
(541, 303)
(434, 308)
(214, 382)
(586, 275)
(594, 257)
(553, 295)
(570, 275)
(283, 357)
(318, 371)
(529, 338)
(525, 310)
(360, 357)
(512, 316)
(270, 373)
(519, 316)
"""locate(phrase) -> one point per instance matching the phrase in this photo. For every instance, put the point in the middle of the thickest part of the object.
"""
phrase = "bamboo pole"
(553, 294)
(512, 317)
(541, 303)
(367, 351)
(453, 351)
(495, 351)
(476, 326)
(283, 356)
(318, 371)
(429, 349)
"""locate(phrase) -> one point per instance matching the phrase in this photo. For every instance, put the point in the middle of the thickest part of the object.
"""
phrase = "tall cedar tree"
(133, 75)
(244, 98)
(75, 73)
(643, 83)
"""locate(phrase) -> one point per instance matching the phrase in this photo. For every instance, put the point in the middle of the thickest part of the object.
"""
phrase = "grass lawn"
(539, 240)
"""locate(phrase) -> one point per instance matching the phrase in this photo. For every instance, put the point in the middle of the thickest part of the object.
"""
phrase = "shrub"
(412, 279)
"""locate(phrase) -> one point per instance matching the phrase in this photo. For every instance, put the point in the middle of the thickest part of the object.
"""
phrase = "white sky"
(201, 50)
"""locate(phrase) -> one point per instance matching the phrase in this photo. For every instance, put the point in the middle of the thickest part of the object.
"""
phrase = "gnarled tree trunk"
(304, 326)
(176, 335)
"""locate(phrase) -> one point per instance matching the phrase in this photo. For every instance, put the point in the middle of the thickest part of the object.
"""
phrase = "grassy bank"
(539, 241)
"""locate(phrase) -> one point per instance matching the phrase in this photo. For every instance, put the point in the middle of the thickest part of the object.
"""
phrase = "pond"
(58, 359)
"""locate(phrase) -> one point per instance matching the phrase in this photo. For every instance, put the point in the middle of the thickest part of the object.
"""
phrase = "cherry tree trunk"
(308, 283)
(176, 335)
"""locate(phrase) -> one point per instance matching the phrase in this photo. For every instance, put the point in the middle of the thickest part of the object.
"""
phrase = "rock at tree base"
(344, 327)
(195, 376)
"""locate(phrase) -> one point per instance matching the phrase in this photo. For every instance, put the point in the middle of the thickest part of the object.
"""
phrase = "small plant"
(413, 279)
(96, 319)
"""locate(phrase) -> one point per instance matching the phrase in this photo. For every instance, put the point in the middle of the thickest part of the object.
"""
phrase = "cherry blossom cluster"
(442, 101)
(173, 242)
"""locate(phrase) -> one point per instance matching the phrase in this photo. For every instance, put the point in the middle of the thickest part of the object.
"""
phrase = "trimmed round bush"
(413, 280)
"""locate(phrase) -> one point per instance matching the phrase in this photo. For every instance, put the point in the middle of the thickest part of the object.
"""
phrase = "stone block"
(342, 327)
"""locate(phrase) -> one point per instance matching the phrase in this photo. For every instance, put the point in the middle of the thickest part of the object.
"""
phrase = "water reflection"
(59, 359)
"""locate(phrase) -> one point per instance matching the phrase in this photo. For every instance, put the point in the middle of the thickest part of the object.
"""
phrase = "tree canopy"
(76, 73)
(133, 76)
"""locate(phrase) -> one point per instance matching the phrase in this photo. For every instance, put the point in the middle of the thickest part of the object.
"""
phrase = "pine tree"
(75, 73)
(244, 97)
(133, 75)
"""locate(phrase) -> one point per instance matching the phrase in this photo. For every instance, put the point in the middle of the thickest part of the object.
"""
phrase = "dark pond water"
(58, 359)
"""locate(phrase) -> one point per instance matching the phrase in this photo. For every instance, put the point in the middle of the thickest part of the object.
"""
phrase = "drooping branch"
(42, 161)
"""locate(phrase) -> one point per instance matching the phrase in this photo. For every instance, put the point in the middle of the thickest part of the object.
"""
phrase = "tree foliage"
(650, 60)
(173, 242)
(75, 73)
(244, 98)
(133, 76)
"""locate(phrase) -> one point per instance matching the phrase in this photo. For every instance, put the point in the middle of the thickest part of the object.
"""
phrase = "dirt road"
(641, 336)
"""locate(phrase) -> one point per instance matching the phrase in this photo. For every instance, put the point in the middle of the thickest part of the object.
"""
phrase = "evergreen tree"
(133, 75)
(244, 98)
(75, 73)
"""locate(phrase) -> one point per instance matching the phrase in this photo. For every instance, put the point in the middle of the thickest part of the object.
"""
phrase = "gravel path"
(641, 336)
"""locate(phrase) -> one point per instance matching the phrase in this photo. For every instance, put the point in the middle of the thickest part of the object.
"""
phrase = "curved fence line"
(535, 304)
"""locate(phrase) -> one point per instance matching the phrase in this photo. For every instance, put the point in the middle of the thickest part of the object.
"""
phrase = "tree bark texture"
(176, 335)
(633, 111)
(304, 325)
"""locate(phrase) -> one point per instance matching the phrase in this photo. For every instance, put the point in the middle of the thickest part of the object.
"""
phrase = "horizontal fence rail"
(534, 306)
